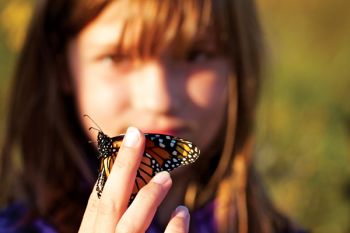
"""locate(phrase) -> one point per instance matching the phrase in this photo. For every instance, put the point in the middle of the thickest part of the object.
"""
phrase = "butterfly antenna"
(98, 127)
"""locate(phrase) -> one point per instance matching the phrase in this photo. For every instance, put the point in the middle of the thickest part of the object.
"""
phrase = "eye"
(114, 58)
(199, 55)
(120, 62)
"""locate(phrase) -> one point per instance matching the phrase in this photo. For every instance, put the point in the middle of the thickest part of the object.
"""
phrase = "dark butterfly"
(162, 153)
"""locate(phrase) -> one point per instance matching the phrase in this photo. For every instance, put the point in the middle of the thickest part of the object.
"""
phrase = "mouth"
(161, 125)
(177, 129)
(170, 131)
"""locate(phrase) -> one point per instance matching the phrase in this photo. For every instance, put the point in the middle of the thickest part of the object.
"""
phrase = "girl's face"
(185, 97)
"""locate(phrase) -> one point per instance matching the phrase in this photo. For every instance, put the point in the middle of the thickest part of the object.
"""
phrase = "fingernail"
(181, 211)
(132, 137)
(161, 177)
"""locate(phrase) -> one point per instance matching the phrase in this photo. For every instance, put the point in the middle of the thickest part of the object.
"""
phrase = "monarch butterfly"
(162, 153)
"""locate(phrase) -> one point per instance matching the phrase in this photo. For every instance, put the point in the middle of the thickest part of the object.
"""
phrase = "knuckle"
(93, 203)
(125, 226)
(126, 158)
(123, 163)
(107, 206)
(151, 192)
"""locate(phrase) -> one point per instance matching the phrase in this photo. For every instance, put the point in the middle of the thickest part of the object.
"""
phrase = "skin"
(110, 213)
(185, 97)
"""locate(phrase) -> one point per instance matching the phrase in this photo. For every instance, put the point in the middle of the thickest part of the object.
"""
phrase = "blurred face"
(185, 96)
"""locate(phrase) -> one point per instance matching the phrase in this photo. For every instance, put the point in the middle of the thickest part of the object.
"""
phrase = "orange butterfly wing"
(162, 153)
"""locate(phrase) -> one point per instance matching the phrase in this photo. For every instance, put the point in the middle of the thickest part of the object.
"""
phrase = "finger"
(179, 222)
(87, 224)
(118, 187)
(139, 215)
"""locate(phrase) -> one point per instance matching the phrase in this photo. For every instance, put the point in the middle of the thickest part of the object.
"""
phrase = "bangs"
(151, 27)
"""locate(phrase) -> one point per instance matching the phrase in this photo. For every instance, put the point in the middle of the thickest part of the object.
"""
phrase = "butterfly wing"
(101, 180)
(170, 152)
(162, 153)
(108, 148)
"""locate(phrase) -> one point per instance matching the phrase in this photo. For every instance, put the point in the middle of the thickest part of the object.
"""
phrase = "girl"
(189, 68)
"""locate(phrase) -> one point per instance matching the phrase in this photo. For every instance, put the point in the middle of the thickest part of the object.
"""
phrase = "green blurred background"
(303, 128)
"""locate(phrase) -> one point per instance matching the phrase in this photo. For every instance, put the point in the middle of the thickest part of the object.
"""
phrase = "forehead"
(105, 28)
(148, 25)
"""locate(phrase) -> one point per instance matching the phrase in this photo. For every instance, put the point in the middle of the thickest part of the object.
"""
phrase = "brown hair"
(52, 149)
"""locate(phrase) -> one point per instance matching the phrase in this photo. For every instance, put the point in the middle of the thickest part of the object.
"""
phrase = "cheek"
(99, 95)
(100, 99)
(207, 89)
(98, 89)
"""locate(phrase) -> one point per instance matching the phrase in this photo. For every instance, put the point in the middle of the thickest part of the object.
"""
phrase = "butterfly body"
(105, 145)
(162, 153)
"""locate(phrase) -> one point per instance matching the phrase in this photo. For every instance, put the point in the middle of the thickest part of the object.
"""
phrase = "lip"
(168, 125)
(169, 131)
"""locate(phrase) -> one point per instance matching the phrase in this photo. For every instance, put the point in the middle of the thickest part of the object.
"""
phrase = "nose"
(157, 87)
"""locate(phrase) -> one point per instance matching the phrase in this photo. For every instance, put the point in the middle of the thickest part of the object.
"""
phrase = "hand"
(110, 213)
